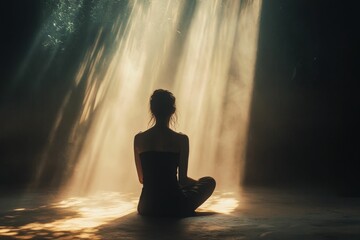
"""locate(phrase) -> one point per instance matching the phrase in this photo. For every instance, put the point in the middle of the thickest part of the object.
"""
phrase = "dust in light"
(204, 53)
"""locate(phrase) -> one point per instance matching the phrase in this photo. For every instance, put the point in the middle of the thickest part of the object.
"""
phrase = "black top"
(161, 194)
(159, 170)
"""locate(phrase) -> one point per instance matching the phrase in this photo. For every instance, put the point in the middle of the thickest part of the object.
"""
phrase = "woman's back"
(159, 139)
(159, 170)
(161, 158)
(161, 194)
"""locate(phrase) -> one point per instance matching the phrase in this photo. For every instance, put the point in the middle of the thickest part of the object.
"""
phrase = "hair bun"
(162, 104)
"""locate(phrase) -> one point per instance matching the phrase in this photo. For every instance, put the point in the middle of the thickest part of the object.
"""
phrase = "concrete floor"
(252, 214)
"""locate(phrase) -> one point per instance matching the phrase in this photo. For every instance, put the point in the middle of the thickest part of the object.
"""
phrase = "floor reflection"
(221, 202)
(81, 217)
(252, 214)
(76, 217)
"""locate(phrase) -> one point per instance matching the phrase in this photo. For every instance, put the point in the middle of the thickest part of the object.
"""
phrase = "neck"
(161, 124)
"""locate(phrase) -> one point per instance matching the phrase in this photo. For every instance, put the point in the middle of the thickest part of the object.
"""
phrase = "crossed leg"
(198, 193)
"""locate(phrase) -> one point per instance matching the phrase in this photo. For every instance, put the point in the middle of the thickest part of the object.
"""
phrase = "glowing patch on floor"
(82, 217)
(87, 214)
(224, 202)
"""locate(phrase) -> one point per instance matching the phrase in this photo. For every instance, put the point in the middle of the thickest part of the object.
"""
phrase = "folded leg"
(198, 193)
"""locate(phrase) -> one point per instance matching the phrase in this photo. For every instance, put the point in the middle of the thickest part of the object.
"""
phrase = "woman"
(161, 158)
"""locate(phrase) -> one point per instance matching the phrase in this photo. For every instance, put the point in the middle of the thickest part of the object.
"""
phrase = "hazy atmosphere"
(265, 90)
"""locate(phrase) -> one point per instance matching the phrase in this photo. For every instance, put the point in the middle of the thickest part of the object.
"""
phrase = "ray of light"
(203, 51)
(212, 80)
(106, 160)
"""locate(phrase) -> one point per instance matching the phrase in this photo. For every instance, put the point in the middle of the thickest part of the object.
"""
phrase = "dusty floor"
(253, 214)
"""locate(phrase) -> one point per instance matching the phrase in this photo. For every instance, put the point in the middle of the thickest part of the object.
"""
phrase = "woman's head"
(162, 106)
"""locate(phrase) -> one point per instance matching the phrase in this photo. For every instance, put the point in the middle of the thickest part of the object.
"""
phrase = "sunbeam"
(211, 77)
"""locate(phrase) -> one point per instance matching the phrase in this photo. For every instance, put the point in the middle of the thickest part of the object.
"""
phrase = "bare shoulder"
(182, 137)
(138, 141)
(138, 136)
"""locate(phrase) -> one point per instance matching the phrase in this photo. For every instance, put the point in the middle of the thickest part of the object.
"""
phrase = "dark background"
(305, 110)
(304, 117)
(21, 123)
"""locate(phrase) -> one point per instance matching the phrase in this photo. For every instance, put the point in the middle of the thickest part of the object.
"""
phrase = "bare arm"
(184, 160)
(137, 159)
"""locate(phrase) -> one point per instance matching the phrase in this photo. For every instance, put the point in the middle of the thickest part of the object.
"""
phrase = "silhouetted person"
(161, 157)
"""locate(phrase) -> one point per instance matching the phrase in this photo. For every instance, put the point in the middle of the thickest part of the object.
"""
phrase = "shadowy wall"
(305, 110)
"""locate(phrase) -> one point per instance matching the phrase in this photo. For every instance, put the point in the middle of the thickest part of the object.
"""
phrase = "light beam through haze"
(211, 77)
